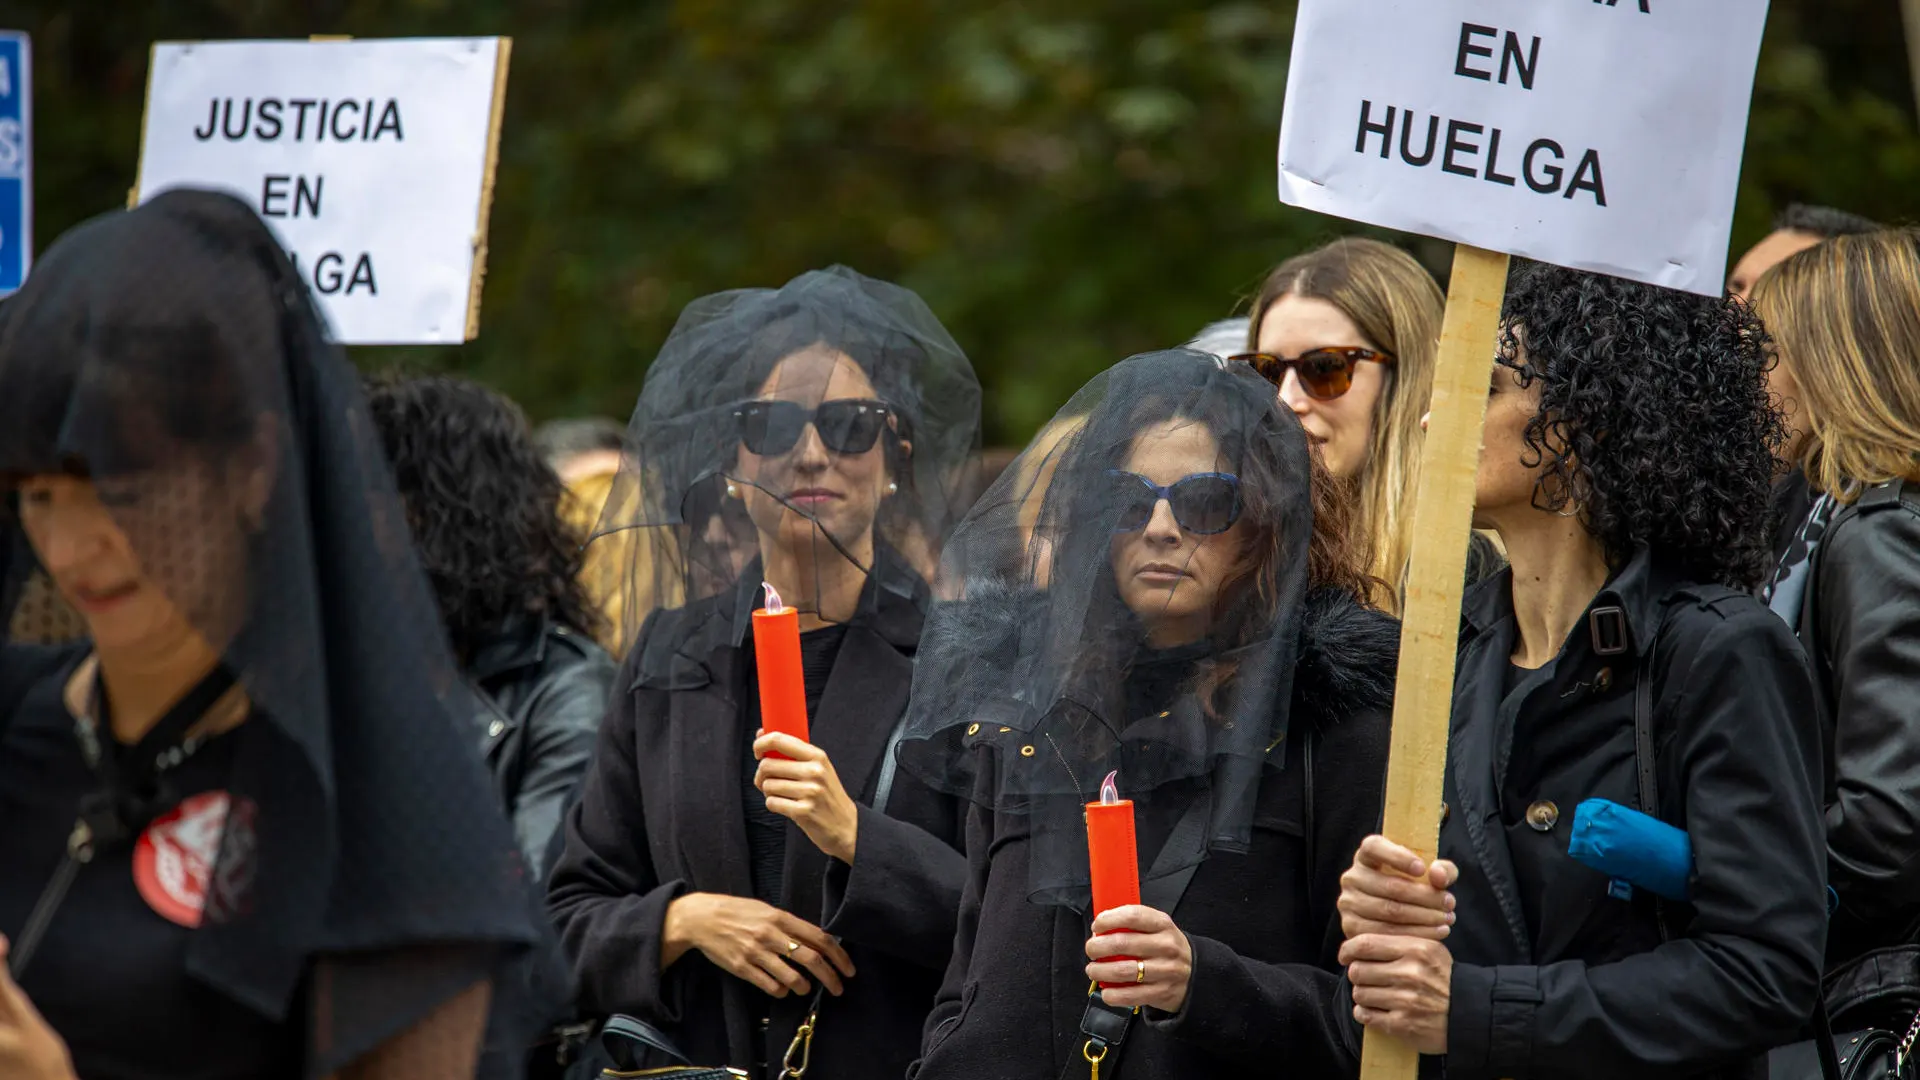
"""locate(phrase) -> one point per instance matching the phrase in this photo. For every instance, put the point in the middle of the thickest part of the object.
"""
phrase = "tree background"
(1065, 181)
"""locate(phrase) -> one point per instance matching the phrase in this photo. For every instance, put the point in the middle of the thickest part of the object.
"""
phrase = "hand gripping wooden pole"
(1430, 623)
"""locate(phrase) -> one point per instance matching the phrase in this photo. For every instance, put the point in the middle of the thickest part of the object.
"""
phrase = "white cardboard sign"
(372, 161)
(1599, 134)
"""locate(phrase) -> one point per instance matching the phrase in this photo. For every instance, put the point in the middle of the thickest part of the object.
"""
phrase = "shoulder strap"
(1643, 759)
(889, 764)
(1649, 783)
(1306, 802)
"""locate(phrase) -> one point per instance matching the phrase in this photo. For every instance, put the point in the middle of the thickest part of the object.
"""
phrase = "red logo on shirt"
(174, 860)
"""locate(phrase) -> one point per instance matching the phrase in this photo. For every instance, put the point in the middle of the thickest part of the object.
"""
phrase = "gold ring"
(1142, 965)
(792, 947)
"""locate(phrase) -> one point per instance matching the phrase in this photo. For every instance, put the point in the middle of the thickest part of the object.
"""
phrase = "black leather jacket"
(1860, 623)
(545, 689)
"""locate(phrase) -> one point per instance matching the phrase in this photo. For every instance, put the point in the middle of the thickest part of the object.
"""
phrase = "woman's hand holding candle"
(1149, 942)
(800, 784)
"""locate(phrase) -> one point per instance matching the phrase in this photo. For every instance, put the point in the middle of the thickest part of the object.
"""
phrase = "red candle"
(776, 654)
(1113, 855)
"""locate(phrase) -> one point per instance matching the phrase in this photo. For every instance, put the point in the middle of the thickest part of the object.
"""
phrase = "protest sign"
(16, 159)
(372, 160)
(1599, 134)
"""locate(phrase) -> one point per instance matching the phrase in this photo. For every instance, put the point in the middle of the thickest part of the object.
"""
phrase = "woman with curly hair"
(1628, 450)
(484, 512)
(1846, 317)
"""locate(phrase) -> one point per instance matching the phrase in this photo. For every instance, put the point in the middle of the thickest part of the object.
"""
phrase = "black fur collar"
(1348, 655)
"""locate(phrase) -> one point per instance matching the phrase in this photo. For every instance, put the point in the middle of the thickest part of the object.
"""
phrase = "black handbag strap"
(1823, 1039)
(635, 1030)
(799, 1055)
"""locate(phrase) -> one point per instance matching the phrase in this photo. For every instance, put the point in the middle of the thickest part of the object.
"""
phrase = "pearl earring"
(893, 488)
(732, 492)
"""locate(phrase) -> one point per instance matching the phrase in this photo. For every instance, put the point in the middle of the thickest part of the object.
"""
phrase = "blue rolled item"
(1633, 849)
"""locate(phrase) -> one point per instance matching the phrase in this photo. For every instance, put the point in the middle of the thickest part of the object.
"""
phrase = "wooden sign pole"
(1430, 625)
(1911, 10)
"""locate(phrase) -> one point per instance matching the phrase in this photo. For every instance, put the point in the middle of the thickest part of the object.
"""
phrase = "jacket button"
(494, 729)
(1445, 813)
(1542, 816)
(1603, 682)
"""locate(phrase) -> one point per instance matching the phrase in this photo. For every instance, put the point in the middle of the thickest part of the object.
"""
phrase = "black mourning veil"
(774, 425)
(171, 355)
(1037, 675)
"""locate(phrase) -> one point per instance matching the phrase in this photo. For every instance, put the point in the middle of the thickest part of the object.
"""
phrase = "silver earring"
(893, 488)
(732, 492)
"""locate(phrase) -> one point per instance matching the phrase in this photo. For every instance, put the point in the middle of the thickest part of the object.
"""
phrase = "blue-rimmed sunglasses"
(1204, 503)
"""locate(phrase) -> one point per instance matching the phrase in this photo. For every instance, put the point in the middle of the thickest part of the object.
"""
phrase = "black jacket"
(661, 816)
(1860, 622)
(1263, 928)
(1554, 977)
(544, 689)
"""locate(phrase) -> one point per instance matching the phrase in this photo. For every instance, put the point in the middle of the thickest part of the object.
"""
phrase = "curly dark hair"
(483, 507)
(1655, 420)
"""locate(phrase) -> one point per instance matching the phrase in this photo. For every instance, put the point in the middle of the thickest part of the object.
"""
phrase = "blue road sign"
(16, 159)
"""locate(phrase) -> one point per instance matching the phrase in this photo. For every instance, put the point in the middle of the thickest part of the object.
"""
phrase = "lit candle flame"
(1110, 789)
(774, 605)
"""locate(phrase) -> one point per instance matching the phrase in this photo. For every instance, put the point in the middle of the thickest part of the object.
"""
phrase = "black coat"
(1262, 925)
(1554, 977)
(1860, 622)
(544, 689)
(661, 816)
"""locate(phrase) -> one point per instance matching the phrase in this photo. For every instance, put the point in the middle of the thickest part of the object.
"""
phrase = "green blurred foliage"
(1065, 181)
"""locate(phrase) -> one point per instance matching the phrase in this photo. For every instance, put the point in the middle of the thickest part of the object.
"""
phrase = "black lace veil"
(827, 428)
(171, 355)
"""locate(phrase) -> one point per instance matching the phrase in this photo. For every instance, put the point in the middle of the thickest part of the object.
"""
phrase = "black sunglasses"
(846, 425)
(1325, 374)
(1204, 503)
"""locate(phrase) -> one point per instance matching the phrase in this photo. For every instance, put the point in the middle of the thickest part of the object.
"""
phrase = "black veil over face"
(823, 429)
(1039, 671)
(171, 355)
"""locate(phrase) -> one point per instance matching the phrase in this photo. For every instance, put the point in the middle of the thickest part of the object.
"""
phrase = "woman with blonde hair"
(1845, 316)
(1348, 332)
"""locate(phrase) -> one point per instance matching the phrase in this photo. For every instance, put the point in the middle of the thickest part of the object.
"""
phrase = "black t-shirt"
(766, 830)
(110, 975)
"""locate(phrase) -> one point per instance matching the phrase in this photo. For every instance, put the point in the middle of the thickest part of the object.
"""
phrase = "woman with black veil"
(242, 828)
(1161, 593)
(717, 880)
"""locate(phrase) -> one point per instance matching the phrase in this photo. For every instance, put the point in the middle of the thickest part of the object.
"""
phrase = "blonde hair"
(1845, 315)
(1397, 305)
(604, 569)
